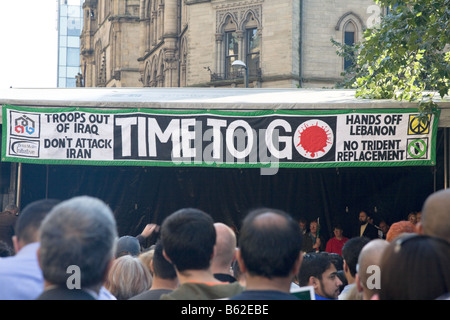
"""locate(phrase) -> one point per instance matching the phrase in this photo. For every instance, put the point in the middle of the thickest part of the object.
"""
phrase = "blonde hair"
(128, 277)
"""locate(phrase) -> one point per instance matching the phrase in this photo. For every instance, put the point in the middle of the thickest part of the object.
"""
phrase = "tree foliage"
(405, 57)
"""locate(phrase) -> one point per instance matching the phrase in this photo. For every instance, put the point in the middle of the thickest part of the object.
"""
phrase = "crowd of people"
(70, 250)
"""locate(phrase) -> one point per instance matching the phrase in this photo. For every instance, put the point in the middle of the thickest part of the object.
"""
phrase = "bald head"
(225, 248)
(435, 219)
(370, 255)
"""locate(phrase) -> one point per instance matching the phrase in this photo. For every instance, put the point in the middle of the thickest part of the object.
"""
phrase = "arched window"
(252, 44)
(350, 27)
(349, 39)
(231, 45)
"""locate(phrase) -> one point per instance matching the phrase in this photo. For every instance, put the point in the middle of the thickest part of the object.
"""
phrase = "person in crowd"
(313, 241)
(412, 217)
(318, 271)
(164, 276)
(188, 237)
(303, 223)
(399, 227)
(128, 277)
(366, 279)
(8, 219)
(435, 217)
(127, 245)
(418, 216)
(366, 229)
(20, 274)
(150, 233)
(384, 227)
(350, 254)
(335, 244)
(269, 254)
(225, 250)
(77, 241)
(415, 267)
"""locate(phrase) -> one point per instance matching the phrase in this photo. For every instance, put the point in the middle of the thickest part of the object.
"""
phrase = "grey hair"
(80, 231)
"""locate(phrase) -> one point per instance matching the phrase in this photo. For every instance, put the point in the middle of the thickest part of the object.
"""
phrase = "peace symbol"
(417, 126)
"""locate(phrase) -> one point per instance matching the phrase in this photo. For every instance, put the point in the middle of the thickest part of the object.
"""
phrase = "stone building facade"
(180, 43)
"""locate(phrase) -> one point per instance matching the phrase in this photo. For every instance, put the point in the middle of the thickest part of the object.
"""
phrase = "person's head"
(270, 244)
(338, 231)
(415, 267)
(435, 217)
(225, 248)
(369, 259)
(127, 245)
(363, 217)
(188, 237)
(128, 277)
(29, 222)
(302, 223)
(160, 266)
(350, 253)
(313, 226)
(77, 232)
(412, 217)
(398, 228)
(318, 271)
(384, 226)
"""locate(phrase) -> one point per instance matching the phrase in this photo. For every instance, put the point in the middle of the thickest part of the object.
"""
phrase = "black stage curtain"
(140, 195)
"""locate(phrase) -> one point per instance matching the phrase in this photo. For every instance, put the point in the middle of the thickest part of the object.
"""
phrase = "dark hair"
(351, 250)
(161, 267)
(313, 265)
(188, 237)
(415, 267)
(31, 217)
(270, 249)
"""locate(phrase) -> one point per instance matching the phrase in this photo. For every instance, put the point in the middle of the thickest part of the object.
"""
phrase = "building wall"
(323, 20)
(171, 43)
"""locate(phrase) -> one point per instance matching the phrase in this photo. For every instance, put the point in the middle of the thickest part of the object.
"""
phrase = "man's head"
(435, 217)
(225, 248)
(313, 226)
(188, 236)
(270, 244)
(77, 232)
(338, 231)
(318, 271)
(29, 221)
(363, 217)
(368, 261)
(350, 253)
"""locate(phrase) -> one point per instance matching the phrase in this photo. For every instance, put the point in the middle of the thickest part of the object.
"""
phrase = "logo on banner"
(25, 125)
(416, 126)
(313, 139)
(417, 148)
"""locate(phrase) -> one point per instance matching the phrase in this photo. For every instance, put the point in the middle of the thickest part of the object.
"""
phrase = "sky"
(28, 43)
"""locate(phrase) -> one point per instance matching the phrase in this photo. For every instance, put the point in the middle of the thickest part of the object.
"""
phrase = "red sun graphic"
(313, 139)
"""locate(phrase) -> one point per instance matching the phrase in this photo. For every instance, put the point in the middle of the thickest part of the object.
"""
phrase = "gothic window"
(349, 39)
(231, 45)
(231, 51)
(253, 48)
